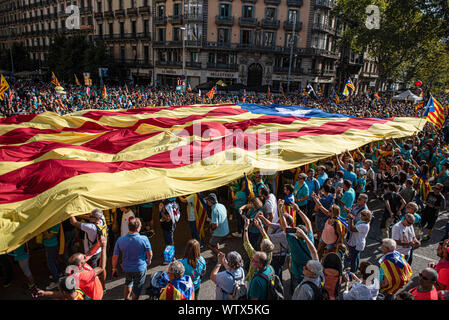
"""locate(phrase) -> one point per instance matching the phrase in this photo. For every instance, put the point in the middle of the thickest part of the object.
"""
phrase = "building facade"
(251, 42)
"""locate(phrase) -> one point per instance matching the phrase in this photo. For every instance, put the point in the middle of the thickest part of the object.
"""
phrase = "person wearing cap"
(361, 181)
(219, 222)
(90, 234)
(301, 192)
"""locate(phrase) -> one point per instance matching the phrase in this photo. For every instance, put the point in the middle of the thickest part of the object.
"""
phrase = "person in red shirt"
(86, 276)
(426, 289)
(442, 267)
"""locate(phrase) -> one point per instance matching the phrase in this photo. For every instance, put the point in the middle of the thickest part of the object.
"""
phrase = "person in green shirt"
(265, 245)
(258, 287)
(301, 192)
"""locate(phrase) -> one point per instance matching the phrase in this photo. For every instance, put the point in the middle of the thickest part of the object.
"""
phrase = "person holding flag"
(105, 93)
(211, 93)
(434, 112)
(77, 81)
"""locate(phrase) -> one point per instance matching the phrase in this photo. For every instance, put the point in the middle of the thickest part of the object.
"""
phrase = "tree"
(407, 33)
(73, 55)
(21, 60)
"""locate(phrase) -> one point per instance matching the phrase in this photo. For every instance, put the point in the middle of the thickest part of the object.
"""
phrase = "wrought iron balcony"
(224, 20)
(270, 24)
(248, 22)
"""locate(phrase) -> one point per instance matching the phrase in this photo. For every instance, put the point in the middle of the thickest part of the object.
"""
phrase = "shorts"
(214, 241)
(136, 280)
(146, 214)
(429, 219)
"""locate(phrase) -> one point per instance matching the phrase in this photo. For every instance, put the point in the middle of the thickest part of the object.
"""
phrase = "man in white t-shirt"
(90, 236)
(404, 235)
(270, 209)
(127, 214)
(357, 240)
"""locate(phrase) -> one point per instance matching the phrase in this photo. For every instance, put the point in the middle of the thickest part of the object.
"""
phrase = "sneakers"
(236, 235)
(425, 238)
(51, 286)
(7, 283)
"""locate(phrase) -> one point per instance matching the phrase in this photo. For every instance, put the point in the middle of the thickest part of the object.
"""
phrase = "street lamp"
(291, 51)
(10, 51)
(184, 79)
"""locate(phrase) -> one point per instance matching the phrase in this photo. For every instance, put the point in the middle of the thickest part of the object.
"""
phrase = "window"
(161, 11)
(246, 36)
(177, 9)
(109, 5)
(225, 10)
(161, 34)
(133, 27)
(194, 31)
(222, 58)
(120, 4)
(145, 27)
(111, 28)
(248, 12)
(270, 13)
(292, 14)
(162, 56)
(290, 39)
(224, 35)
(122, 28)
(100, 29)
(133, 3)
(146, 53)
(211, 57)
(134, 50)
(194, 56)
(177, 34)
(268, 39)
(99, 6)
(122, 53)
(193, 7)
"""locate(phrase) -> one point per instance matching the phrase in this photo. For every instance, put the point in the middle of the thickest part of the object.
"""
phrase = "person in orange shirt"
(426, 289)
(87, 277)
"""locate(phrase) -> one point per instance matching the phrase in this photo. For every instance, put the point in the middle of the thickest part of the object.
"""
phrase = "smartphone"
(290, 230)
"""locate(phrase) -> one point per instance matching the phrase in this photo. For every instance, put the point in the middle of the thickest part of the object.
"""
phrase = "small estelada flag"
(54, 80)
(77, 81)
(105, 93)
(3, 87)
(211, 93)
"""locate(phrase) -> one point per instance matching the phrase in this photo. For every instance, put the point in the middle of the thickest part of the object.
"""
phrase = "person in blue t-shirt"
(136, 257)
(314, 186)
(345, 198)
(194, 264)
(361, 181)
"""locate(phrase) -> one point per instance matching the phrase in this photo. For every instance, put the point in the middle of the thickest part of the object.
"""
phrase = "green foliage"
(20, 59)
(409, 31)
(74, 55)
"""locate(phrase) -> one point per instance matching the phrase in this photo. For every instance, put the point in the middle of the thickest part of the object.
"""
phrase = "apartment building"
(247, 42)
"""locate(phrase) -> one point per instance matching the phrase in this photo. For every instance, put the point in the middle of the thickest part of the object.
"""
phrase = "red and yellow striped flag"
(54, 80)
(200, 213)
(77, 82)
(53, 167)
(211, 93)
(3, 87)
(396, 270)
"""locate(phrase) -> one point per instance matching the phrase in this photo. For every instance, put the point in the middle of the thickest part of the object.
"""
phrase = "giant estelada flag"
(53, 167)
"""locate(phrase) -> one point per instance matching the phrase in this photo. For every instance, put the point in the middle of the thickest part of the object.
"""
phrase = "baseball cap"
(362, 171)
(212, 197)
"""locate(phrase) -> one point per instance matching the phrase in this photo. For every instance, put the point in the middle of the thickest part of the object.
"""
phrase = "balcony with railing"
(175, 64)
(270, 23)
(274, 2)
(248, 22)
(193, 17)
(249, 1)
(108, 14)
(323, 27)
(144, 9)
(324, 3)
(288, 25)
(294, 3)
(177, 19)
(223, 66)
(193, 65)
(131, 12)
(119, 13)
(98, 15)
(160, 20)
(224, 20)
(284, 70)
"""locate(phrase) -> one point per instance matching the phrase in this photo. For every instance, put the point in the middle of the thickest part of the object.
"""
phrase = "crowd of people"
(30, 97)
(312, 221)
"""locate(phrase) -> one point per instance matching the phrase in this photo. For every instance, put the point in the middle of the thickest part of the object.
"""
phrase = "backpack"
(275, 289)
(239, 291)
(318, 293)
(102, 230)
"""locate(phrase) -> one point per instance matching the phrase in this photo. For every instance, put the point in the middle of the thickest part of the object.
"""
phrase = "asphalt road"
(422, 256)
